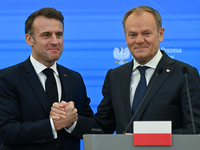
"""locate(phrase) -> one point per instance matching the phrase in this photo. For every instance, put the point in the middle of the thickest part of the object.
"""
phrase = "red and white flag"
(152, 133)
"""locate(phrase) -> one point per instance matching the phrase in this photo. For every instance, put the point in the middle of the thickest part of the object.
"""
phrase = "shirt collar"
(39, 67)
(152, 63)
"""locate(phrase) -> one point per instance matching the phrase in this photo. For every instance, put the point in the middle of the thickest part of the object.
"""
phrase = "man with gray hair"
(124, 87)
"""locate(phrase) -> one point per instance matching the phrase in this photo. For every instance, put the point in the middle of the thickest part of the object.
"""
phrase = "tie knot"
(48, 72)
(142, 69)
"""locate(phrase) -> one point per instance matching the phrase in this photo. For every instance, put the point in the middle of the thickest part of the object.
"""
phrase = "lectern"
(125, 142)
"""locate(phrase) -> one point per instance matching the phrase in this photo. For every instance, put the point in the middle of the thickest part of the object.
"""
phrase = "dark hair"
(46, 12)
(140, 9)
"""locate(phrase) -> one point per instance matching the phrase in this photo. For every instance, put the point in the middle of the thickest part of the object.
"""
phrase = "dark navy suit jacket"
(167, 99)
(24, 109)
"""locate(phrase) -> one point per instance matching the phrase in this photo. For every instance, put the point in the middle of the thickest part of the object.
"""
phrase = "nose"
(54, 39)
(139, 39)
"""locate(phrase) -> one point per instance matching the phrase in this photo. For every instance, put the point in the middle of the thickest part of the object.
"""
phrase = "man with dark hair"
(125, 86)
(28, 90)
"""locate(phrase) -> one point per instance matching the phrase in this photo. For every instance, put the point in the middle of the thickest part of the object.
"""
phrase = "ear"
(29, 40)
(161, 33)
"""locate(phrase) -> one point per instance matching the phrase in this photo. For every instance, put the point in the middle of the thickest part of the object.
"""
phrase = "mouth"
(141, 47)
(53, 49)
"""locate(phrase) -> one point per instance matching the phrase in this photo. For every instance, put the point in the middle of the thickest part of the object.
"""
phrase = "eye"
(147, 33)
(60, 34)
(45, 35)
(132, 35)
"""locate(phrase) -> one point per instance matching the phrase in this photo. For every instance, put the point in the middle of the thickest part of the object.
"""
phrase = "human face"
(142, 36)
(47, 44)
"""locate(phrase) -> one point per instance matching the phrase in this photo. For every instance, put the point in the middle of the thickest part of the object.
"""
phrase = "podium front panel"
(125, 142)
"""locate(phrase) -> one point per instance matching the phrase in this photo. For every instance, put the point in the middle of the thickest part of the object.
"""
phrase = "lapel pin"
(65, 75)
(167, 70)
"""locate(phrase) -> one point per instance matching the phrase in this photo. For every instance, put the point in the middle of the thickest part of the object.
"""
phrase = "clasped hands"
(63, 114)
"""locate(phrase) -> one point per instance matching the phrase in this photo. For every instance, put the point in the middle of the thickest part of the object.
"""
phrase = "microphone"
(158, 73)
(185, 72)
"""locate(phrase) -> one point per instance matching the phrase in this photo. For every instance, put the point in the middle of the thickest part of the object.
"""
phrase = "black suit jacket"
(24, 109)
(167, 99)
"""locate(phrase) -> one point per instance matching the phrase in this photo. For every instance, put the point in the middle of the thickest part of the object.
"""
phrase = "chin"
(141, 55)
(53, 59)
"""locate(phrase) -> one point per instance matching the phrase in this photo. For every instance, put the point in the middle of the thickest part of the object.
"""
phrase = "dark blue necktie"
(139, 92)
(51, 86)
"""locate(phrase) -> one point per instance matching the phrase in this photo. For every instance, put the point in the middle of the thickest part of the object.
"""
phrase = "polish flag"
(152, 133)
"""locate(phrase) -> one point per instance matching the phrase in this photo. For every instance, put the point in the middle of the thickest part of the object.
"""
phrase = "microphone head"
(160, 70)
(184, 70)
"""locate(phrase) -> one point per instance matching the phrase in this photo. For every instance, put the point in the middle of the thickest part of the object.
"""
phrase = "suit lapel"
(36, 85)
(65, 83)
(125, 82)
(164, 63)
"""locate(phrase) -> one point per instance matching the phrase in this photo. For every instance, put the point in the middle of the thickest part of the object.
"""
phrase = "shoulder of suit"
(67, 70)
(125, 66)
(14, 68)
(176, 63)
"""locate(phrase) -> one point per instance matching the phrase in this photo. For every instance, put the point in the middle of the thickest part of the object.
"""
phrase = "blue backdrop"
(93, 29)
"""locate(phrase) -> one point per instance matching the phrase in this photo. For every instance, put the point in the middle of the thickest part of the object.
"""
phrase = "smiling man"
(143, 36)
(125, 86)
(28, 90)
(47, 40)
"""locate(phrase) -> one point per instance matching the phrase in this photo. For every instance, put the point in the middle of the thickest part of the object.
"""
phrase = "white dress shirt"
(39, 67)
(135, 77)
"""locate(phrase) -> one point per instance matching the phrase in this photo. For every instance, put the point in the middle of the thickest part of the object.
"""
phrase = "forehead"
(44, 24)
(140, 19)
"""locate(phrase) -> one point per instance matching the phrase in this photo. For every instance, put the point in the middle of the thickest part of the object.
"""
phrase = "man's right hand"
(63, 114)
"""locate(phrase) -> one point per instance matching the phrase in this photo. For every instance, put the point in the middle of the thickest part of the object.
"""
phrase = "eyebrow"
(131, 32)
(45, 32)
(146, 30)
(48, 32)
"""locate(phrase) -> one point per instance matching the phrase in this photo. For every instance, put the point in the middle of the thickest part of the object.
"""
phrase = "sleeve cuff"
(69, 130)
(53, 129)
